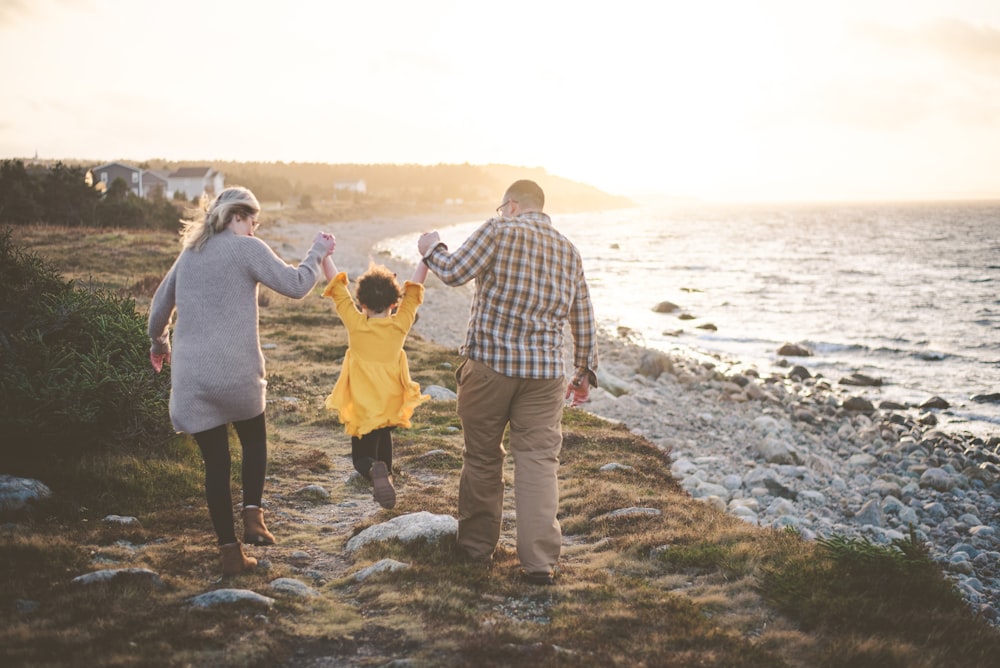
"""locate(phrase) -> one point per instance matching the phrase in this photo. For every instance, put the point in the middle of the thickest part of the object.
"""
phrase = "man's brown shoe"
(540, 578)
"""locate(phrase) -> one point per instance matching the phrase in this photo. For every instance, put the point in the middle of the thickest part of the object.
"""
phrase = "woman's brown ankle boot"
(254, 530)
(234, 561)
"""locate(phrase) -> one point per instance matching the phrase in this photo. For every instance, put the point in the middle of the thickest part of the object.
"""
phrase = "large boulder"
(19, 495)
(861, 380)
(653, 363)
(407, 528)
(794, 350)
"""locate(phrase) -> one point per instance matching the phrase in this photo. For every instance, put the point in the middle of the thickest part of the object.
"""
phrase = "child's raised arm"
(420, 273)
(329, 268)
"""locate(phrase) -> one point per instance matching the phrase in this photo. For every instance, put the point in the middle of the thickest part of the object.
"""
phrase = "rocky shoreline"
(792, 450)
(778, 449)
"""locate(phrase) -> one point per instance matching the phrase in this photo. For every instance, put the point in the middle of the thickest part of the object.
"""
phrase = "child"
(374, 393)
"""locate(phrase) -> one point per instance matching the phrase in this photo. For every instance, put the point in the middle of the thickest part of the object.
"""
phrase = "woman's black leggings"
(374, 445)
(214, 445)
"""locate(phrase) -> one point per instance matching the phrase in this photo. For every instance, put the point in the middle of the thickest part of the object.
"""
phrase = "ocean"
(904, 292)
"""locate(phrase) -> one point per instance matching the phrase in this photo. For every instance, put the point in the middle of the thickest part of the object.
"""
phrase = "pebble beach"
(777, 448)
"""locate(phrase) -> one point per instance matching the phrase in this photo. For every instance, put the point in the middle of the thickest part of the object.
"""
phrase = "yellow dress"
(374, 389)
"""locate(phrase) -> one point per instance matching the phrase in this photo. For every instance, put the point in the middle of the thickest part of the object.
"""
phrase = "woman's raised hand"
(327, 240)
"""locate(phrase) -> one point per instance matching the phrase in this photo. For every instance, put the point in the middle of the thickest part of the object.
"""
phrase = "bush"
(122, 208)
(74, 369)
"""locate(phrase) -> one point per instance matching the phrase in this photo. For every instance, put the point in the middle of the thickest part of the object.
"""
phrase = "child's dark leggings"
(214, 445)
(374, 445)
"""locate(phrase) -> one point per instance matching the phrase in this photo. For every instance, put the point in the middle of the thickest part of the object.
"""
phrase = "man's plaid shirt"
(529, 284)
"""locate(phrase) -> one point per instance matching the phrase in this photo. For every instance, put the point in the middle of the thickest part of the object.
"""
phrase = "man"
(529, 285)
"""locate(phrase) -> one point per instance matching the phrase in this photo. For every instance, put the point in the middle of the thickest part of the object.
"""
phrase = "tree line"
(60, 195)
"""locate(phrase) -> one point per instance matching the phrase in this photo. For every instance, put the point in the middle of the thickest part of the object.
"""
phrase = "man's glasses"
(505, 203)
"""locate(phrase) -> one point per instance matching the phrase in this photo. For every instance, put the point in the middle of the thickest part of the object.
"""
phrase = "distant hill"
(465, 186)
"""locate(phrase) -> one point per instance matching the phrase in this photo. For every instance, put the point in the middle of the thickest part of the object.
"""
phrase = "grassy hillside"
(688, 586)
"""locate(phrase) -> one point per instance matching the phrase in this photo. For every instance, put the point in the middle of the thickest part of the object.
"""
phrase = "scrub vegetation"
(683, 586)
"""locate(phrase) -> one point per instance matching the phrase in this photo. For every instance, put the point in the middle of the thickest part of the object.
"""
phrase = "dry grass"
(688, 586)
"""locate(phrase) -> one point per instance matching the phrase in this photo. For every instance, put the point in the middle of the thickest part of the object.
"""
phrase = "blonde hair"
(215, 217)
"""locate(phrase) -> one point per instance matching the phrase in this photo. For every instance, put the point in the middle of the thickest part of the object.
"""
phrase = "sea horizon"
(904, 292)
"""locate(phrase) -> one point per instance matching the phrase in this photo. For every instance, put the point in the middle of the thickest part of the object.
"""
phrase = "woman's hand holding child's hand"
(328, 241)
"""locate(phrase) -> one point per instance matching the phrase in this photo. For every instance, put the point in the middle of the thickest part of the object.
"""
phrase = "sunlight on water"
(903, 292)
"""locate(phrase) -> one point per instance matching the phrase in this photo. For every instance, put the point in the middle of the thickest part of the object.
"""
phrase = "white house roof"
(117, 164)
(190, 172)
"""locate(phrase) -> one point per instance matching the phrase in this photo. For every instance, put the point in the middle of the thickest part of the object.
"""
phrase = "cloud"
(976, 47)
(888, 79)
(947, 40)
(12, 10)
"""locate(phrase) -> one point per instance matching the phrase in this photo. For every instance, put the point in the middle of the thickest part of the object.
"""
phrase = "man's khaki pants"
(487, 402)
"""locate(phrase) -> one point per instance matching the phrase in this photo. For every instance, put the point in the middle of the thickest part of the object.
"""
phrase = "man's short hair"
(526, 192)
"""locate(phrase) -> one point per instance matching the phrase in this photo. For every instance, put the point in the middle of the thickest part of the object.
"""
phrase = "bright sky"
(719, 99)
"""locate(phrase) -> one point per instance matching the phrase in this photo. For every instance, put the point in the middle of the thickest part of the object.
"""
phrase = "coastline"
(780, 450)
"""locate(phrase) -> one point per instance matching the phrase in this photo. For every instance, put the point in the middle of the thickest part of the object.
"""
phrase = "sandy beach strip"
(444, 313)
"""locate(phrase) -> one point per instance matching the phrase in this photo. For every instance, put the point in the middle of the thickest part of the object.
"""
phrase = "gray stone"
(982, 531)
(438, 393)
(293, 587)
(858, 404)
(231, 597)
(861, 380)
(775, 451)
(382, 566)
(936, 403)
(706, 489)
(21, 494)
(937, 478)
(870, 513)
(611, 383)
(122, 520)
(120, 576)
(314, 493)
(793, 350)
(407, 528)
(653, 363)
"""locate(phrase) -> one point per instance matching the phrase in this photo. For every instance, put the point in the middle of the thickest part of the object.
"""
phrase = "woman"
(217, 368)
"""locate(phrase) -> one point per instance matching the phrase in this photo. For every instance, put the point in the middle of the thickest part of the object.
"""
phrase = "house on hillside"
(355, 187)
(105, 175)
(141, 182)
(154, 184)
(194, 182)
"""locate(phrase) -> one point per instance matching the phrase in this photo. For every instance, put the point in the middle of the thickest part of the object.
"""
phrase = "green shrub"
(858, 588)
(74, 369)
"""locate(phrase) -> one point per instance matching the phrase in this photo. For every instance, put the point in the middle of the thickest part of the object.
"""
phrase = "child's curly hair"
(378, 288)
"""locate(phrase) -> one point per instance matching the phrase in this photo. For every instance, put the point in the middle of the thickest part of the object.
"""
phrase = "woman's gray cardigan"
(217, 367)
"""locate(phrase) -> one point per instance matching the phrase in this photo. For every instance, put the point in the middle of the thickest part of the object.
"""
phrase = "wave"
(972, 416)
(827, 348)
(930, 356)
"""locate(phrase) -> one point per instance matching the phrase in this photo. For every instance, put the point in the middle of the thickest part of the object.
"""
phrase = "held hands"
(578, 391)
(327, 240)
(427, 241)
(157, 360)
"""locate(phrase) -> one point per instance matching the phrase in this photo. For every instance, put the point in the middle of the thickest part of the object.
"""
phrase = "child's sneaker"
(385, 493)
